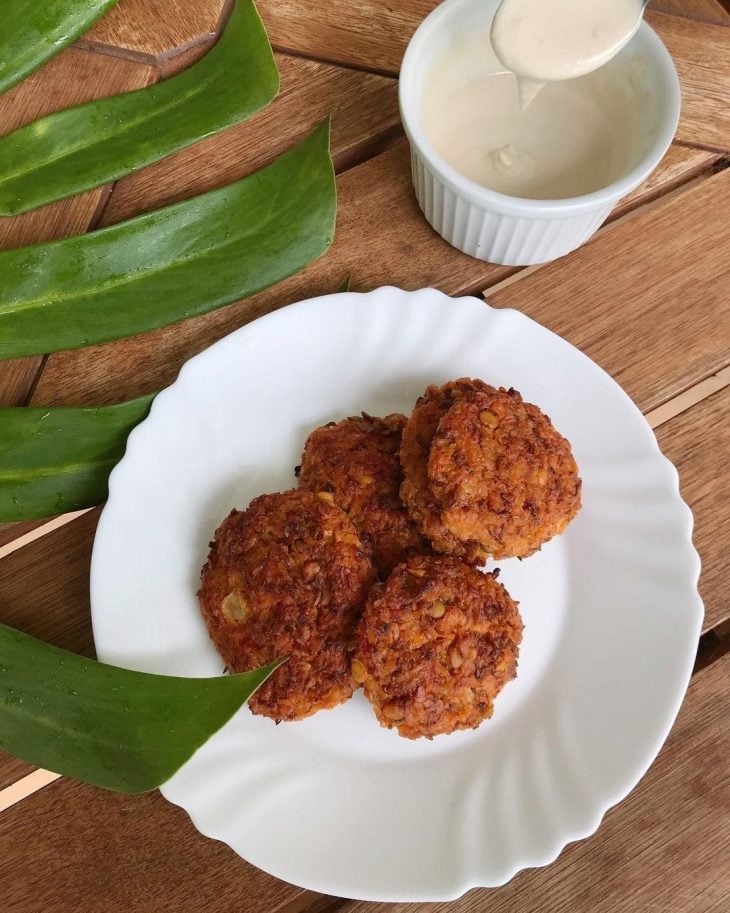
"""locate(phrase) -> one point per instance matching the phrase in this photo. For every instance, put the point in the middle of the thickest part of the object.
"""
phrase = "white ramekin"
(493, 226)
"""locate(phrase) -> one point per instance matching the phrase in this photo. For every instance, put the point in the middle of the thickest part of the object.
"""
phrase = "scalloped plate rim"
(455, 888)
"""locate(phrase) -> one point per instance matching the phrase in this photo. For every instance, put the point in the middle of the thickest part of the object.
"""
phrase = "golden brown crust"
(502, 475)
(414, 452)
(435, 645)
(357, 460)
(288, 577)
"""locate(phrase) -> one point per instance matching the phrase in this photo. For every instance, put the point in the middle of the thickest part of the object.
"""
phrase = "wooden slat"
(679, 165)
(698, 443)
(688, 398)
(371, 245)
(17, 377)
(648, 300)
(711, 10)
(14, 536)
(10, 532)
(12, 769)
(363, 106)
(44, 591)
(153, 30)
(661, 849)
(701, 52)
(44, 587)
(365, 33)
(72, 847)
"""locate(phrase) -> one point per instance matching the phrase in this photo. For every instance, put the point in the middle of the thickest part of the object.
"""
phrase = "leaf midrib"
(13, 308)
(88, 737)
(7, 178)
(38, 472)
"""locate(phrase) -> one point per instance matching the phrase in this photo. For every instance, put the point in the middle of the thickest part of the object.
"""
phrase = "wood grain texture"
(12, 769)
(44, 588)
(649, 300)
(28, 784)
(153, 30)
(370, 244)
(371, 34)
(71, 78)
(711, 10)
(679, 165)
(701, 53)
(27, 531)
(170, 66)
(363, 106)
(44, 592)
(698, 443)
(659, 850)
(17, 376)
(688, 398)
(71, 847)
(10, 532)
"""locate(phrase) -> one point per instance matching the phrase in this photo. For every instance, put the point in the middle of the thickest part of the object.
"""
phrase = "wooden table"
(648, 299)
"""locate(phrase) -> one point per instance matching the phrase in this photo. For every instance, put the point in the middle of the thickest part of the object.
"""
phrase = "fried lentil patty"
(414, 453)
(357, 460)
(288, 577)
(435, 645)
(504, 478)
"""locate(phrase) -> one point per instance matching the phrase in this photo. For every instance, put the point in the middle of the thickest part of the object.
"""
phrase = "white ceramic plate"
(611, 609)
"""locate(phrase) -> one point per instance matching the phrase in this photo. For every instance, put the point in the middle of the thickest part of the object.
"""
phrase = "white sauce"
(550, 40)
(576, 136)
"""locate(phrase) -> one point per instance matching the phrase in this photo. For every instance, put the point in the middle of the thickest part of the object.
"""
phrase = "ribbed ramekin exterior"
(498, 237)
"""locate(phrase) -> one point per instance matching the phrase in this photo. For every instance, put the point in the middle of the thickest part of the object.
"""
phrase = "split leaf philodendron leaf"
(92, 144)
(58, 459)
(33, 31)
(122, 730)
(174, 263)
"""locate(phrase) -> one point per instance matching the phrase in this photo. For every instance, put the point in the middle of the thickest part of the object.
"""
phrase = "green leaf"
(345, 287)
(33, 31)
(59, 459)
(122, 730)
(92, 144)
(174, 263)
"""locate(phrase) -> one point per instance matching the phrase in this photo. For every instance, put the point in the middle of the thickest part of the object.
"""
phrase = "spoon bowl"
(512, 230)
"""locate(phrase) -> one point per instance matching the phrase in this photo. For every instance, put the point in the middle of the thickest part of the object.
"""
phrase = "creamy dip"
(576, 136)
(549, 40)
